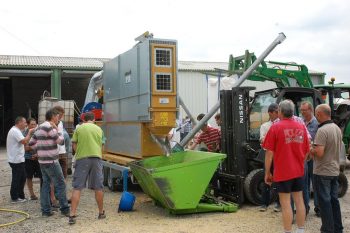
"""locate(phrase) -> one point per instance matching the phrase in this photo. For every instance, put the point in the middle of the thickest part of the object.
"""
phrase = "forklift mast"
(235, 130)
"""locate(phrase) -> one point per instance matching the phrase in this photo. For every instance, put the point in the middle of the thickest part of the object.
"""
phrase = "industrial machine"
(138, 94)
(338, 96)
(241, 175)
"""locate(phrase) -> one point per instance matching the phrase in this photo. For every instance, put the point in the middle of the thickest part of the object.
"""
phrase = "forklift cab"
(241, 176)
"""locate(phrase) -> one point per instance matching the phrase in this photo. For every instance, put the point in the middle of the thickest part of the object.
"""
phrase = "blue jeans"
(310, 168)
(52, 173)
(306, 190)
(327, 193)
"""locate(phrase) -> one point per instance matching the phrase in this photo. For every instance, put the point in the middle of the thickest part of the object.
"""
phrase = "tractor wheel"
(343, 184)
(111, 183)
(254, 186)
(105, 176)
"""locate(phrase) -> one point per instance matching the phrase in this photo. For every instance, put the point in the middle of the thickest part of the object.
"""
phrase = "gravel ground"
(146, 218)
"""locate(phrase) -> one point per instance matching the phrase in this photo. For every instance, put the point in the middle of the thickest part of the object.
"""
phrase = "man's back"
(329, 136)
(289, 142)
(89, 141)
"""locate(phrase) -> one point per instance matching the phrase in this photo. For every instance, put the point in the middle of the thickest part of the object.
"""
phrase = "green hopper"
(178, 182)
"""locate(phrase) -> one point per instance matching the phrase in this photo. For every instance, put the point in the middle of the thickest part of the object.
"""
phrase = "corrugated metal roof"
(51, 62)
(97, 63)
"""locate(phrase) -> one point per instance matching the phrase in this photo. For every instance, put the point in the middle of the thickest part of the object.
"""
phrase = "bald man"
(326, 151)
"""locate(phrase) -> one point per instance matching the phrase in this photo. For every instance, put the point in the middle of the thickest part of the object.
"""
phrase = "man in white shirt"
(264, 128)
(15, 151)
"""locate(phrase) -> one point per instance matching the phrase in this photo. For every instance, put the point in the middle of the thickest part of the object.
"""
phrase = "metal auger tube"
(280, 38)
(181, 102)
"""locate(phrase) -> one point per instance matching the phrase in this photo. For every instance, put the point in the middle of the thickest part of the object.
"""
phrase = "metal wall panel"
(127, 82)
(124, 139)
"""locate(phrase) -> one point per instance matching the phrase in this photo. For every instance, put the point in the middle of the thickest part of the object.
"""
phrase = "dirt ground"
(145, 218)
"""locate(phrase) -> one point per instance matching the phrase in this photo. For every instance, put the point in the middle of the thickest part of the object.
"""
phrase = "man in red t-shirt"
(287, 144)
(210, 136)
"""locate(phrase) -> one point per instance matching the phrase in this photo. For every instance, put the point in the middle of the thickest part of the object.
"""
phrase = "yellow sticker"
(164, 118)
(279, 71)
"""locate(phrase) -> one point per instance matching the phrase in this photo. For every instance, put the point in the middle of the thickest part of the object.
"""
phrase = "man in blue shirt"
(311, 123)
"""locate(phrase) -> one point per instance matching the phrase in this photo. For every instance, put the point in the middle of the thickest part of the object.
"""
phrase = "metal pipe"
(280, 38)
(182, 103)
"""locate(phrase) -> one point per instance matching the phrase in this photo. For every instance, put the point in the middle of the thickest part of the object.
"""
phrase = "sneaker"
(67, 214)
(18, 200)
(49, 214)
(33, 198)
(263, 208)
(277, 208)
(101, 215)
(55, 206)
(72, 220)
(317, 211)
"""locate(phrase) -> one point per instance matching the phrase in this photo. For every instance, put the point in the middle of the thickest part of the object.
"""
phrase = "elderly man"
(287, 144)
(326, 151)
(311, 123)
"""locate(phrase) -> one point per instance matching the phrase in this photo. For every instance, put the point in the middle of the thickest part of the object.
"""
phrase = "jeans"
(306, 190)
(18, 180)
(310, 168)
(327, 193)
(52, 173)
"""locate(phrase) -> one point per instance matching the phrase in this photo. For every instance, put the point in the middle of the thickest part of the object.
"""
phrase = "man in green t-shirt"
(87, 143)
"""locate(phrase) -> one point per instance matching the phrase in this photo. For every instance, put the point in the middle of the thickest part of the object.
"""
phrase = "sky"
(317, 31)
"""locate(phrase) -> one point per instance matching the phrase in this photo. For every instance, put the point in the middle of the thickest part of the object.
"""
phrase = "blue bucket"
(127, 199)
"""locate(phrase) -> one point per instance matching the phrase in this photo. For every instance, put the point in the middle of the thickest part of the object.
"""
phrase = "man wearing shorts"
(287, 144)
(87, 143)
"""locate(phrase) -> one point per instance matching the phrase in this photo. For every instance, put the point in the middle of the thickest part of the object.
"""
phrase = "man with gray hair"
(326, 151)
(287, 144)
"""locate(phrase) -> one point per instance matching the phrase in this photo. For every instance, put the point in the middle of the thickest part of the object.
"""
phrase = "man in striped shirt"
(45, 141)
(210, 136)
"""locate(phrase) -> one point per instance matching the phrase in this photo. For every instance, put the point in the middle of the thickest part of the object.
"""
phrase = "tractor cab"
(258, 110)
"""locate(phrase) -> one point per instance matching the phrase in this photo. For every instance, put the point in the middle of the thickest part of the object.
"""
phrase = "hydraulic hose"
(26, 216)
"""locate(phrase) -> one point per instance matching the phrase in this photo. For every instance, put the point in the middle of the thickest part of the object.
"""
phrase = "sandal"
(101, 215)
(72, 220)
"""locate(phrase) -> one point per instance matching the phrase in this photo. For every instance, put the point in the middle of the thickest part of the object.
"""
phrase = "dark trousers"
(18, 180)
(327, 193)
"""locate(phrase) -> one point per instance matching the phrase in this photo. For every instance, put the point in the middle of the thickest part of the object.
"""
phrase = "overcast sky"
(318, 31)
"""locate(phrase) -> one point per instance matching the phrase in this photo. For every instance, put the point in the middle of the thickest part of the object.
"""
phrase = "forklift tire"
(343, 184)
(254, 185)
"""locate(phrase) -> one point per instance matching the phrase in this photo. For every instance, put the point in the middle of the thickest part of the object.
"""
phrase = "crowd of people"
(299, 152)
(41, 151)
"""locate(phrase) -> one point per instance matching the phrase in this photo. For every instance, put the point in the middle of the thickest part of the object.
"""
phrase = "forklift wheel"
(343, 184)
(254, 185)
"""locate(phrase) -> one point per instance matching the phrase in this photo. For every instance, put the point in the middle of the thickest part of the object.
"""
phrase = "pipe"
(279, 39)
(182, 103)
